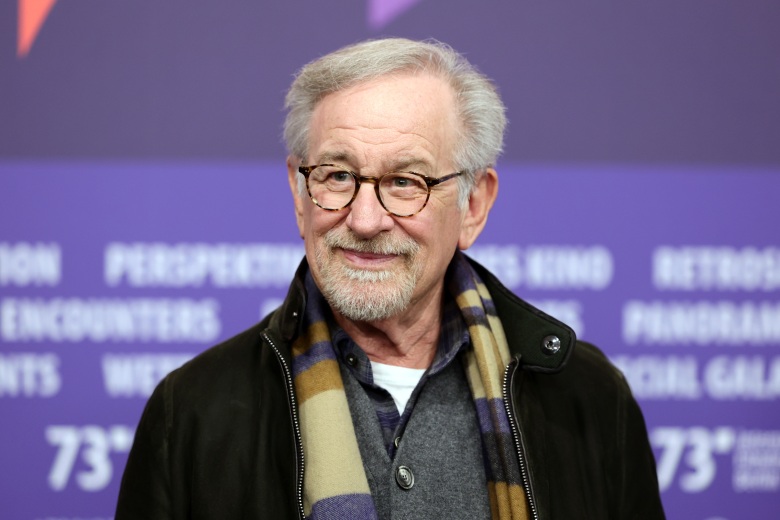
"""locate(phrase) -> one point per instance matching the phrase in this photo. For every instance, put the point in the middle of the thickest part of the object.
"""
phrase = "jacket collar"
(288, 318)
(541, 342)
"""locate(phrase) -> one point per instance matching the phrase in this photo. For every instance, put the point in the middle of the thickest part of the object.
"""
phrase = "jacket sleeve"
(640, 498)
(145, 491)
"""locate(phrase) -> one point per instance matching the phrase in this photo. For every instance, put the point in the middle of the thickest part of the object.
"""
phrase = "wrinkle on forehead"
(415, 157)
(390, 122)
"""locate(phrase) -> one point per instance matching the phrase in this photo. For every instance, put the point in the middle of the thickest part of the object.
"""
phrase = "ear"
(292, 177)
(476, 213)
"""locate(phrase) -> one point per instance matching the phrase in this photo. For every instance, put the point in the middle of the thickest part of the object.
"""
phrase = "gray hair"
(480, 109)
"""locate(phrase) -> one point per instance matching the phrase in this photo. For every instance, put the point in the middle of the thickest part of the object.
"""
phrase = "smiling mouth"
(377, 253)
(366, 259)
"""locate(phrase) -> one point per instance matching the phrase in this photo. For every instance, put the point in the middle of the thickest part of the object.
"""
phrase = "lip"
(366, 260)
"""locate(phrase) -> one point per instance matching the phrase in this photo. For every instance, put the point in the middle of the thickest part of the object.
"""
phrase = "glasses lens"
(331, 187)
(403, 193)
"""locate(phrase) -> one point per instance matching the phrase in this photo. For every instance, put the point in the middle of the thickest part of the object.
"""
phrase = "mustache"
(382, 244)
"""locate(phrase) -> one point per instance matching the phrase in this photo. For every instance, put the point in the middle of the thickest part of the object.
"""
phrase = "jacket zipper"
(296, 425)
(508, 404)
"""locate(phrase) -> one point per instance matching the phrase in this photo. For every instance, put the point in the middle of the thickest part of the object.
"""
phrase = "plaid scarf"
(329, 439)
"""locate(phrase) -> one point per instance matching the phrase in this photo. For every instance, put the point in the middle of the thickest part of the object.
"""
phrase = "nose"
(367, 218)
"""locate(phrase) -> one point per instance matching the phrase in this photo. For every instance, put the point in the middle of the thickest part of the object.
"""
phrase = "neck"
(408, 340)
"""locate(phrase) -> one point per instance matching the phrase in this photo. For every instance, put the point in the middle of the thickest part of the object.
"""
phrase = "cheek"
(447, 237)
(319, 221)
(446, 228)
(438, 237)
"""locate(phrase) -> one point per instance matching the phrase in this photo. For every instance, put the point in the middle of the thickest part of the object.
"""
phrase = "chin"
(370, 295)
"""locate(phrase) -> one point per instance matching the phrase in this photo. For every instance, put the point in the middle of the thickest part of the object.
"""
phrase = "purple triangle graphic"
(382, 12)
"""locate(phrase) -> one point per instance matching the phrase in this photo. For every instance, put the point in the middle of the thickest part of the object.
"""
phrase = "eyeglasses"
(403, 194)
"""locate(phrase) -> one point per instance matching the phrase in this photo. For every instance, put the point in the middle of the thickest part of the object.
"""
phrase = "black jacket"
(219, 437)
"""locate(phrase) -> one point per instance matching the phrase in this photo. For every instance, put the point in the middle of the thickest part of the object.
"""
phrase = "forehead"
(411, 115)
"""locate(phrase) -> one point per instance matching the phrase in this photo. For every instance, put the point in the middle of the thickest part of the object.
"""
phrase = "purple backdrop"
(145, 215)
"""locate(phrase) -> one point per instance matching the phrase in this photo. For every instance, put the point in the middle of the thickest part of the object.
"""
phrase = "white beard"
(363, 294)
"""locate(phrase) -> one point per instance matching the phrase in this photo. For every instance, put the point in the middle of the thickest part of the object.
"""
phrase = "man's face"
(369, 264)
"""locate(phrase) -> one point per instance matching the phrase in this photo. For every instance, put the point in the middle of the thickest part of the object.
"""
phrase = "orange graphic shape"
(32, 14)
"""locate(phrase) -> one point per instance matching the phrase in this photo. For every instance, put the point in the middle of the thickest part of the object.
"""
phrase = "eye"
(332, 175)
(334, 178)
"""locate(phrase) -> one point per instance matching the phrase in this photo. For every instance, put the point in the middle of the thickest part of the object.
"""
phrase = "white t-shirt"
(400, 382)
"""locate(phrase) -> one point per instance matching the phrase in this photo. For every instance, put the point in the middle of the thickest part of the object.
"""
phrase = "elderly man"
(399, 379)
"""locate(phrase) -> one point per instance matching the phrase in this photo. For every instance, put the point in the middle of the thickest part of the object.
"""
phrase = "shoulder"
(589, 363)
(588, 378)
(213, 364)
(592, 389)
(230, 372)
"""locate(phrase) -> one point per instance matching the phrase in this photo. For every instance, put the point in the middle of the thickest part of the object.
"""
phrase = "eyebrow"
(335, 157)
(403, 164)
(413, 164)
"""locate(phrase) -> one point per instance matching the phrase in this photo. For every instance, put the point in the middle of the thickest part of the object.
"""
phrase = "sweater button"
(404, 477)
(352, 360)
